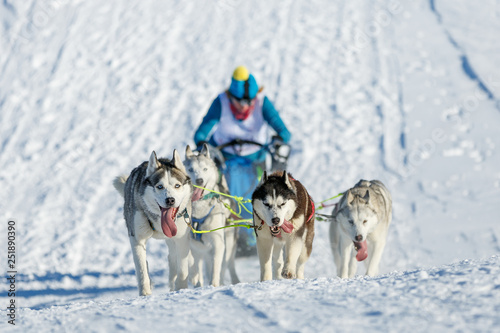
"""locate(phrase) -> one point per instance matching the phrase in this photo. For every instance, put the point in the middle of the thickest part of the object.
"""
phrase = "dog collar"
(210, 196)
(184, 214)
(151, 225)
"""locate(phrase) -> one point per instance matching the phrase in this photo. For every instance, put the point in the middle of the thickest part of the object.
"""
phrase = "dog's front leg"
(264, 249)
(141, 265)
(278, 258)
(376, 255)
(172, 263)
(346, 253)
(182, 249)
(230, 245)
(301, 264)
(218, 257)
(353, 265)
(293, 249)
(196, 269)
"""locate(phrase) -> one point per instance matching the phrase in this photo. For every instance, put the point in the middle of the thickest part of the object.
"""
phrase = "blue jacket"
(271, 116)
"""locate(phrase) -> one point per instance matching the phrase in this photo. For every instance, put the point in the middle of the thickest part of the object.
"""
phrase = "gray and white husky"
(216, 249)
(157, 203)
(359, 227)
(284, 211)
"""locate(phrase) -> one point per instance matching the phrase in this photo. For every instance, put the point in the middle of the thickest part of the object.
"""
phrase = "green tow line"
(320, 204)
(242, 223)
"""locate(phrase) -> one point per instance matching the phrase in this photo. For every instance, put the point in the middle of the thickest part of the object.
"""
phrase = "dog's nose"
(170, 201)
(275, 220)
(199, 181)
(358, 238)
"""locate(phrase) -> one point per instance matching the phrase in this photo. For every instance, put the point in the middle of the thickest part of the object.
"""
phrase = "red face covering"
(240, 112)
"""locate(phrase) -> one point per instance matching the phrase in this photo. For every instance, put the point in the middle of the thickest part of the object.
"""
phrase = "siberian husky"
(284, 212)
(359, 227)
(217, 249)
(157, 204)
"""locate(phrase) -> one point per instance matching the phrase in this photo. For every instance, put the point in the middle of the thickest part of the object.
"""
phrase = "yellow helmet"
(243, 84)
(241, 73)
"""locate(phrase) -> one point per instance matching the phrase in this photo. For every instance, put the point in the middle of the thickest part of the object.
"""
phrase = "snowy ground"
(462, 296)
(404, 92)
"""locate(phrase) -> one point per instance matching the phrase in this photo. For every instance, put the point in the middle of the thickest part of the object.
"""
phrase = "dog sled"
(243, 175)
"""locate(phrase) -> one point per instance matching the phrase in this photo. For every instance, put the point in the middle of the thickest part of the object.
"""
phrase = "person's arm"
(209, 121)
(273, 118)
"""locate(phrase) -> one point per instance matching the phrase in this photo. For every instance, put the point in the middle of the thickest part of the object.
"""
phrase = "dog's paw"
(288, 275)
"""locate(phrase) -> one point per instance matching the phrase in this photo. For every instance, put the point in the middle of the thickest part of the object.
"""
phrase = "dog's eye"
(364, 222)
(205, 169)
(351, 221)
(190, 170)
(160, 187)
(177, 185)
(266, 204)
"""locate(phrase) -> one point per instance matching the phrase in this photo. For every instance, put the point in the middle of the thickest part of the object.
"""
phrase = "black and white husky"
(284, 213)
(157, 204)
(216, 249)
(359, 228)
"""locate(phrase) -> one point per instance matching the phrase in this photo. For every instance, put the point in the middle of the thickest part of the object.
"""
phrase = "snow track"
(462, 296)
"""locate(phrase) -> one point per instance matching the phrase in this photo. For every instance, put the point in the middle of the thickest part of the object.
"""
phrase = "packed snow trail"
(464, 296)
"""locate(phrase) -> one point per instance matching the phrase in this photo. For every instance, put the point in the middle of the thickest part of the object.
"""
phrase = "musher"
(242, 112)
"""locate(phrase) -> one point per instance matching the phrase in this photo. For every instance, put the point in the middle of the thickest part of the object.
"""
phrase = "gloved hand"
(279, 152)
(276, 140)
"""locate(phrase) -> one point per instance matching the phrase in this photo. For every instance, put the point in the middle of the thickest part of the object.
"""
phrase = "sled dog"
(216, 249)
(284, 213)
(359, 227)
(157, 201)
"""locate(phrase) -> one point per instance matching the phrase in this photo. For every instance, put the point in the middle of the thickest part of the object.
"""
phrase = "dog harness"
(313, 209)
(210, 196)
(312, 205)
(197, 222)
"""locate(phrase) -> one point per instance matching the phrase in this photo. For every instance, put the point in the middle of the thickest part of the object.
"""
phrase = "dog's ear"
(205, 151)
(350, 197)
(189, 152)
(264, 177)
(287, 181)
(366, 198)
(153, 164)
(178, 162)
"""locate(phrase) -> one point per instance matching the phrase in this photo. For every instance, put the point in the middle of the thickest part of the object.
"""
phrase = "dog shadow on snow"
(53, 285)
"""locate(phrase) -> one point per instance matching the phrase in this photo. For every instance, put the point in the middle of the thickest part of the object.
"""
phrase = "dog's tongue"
(287, 227)
(168, 221)
(362, 250)
(197, 193)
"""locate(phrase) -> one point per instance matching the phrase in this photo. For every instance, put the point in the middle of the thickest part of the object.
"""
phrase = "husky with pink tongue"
(284, 213)
(358, 231)
(157, 205)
